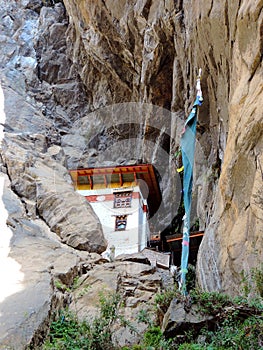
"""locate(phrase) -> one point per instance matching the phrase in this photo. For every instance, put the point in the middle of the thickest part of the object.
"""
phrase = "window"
(120, 223)
(122, 199)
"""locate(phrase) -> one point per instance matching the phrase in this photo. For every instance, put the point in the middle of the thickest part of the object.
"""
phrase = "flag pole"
(188, 150)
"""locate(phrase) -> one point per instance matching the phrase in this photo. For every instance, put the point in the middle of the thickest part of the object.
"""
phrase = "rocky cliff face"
(149, 51)
(80, 78)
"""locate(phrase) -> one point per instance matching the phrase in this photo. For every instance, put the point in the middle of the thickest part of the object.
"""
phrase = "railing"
(192, 235)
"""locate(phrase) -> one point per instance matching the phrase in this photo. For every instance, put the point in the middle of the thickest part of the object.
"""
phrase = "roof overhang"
(125, 176)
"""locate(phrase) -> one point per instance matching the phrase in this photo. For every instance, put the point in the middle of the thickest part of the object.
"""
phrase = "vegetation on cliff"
(230, 323)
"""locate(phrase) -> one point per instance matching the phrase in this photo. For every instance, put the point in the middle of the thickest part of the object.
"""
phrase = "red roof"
(105, 176)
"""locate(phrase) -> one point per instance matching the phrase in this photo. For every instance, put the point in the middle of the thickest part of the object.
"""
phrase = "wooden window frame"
(122, 199)
(120, 220)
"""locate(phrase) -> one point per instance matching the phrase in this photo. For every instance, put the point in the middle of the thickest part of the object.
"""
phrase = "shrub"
(187, 346)
(67, 332)
(252, 281)
(162, 300)
(235, 335)
(236, 324)
(209, 302)
(257, 277)
(154, 340)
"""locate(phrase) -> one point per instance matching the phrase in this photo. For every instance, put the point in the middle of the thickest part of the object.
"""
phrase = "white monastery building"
(120, 197)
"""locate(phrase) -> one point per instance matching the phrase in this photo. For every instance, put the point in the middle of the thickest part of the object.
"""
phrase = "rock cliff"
(150, 51)
(81, 78)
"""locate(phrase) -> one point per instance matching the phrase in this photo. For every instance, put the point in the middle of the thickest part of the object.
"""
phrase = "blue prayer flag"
(188, 151)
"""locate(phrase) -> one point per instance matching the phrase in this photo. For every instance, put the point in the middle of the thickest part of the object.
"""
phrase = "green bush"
(236, 335)
(257, 277)
(144, 316)
(252, 281)
(67, 332)
(162, 300)
(187, 346)
(209, 302)
(238, 324)
(153, 337)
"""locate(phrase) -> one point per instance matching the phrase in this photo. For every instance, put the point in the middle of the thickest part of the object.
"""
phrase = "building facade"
(119, 196)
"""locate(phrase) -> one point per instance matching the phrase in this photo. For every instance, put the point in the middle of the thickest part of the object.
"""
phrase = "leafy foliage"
(209, 302)
(154, 339)
(231, 335)
(67, 332)
(237, 322)
(162, 300)
(144, 316)
(257, 276)
(253, 281)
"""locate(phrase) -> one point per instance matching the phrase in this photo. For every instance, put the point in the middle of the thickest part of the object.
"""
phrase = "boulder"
(47, 191)
(136, 257)
(33, 261)
(178, 319)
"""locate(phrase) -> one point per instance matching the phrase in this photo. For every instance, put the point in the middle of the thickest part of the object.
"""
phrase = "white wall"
(133, 239)
(144, 231)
